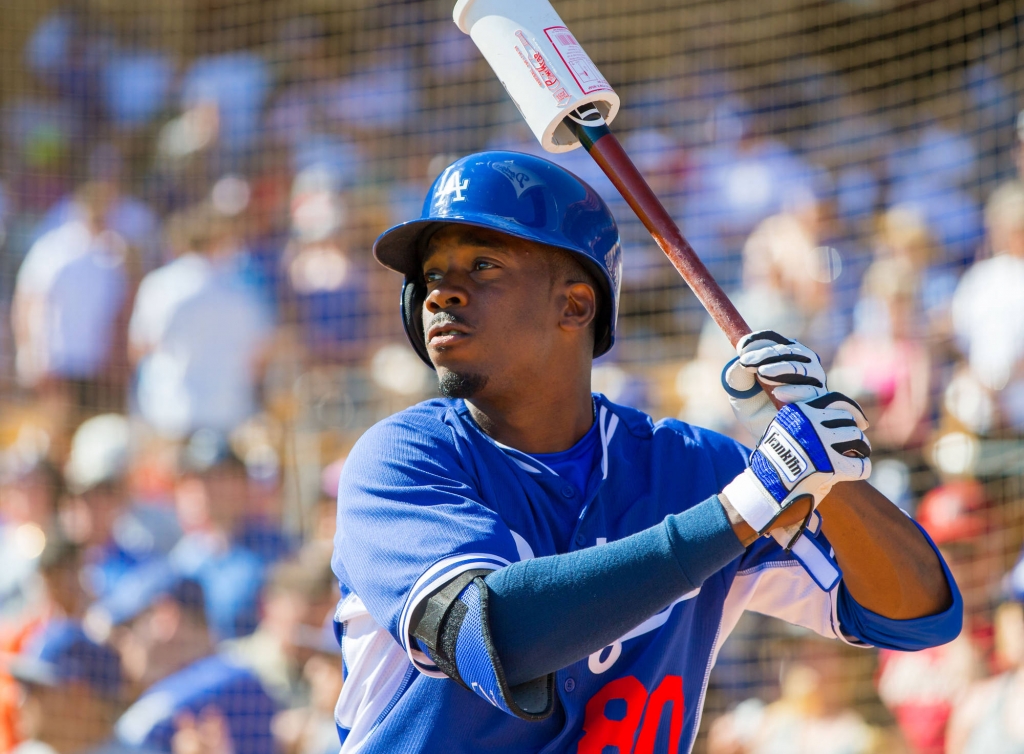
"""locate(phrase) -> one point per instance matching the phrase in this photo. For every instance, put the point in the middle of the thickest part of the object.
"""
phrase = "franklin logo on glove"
(785, 455)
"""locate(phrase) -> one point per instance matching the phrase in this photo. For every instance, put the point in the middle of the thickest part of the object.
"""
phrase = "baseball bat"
(566, 102)
(595, 135)
(536, 57)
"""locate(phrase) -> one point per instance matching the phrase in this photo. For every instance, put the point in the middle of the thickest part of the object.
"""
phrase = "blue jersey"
(425, 495)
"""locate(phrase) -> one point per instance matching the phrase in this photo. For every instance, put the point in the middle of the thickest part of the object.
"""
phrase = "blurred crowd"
(194, 332)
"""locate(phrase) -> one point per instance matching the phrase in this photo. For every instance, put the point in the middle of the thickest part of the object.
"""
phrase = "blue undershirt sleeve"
(902, 635)
(547, 613)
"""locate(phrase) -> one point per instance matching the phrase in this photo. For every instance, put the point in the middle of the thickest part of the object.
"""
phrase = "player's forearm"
(550, 612)
(888, 566)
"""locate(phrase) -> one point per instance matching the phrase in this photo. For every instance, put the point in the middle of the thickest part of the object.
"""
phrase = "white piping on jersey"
(443, 571)
(522, 546)
(394, 700)
(704, 686)
(607, 429)
(439, 566)
(524, 466)
(514, 454)
(606, 436)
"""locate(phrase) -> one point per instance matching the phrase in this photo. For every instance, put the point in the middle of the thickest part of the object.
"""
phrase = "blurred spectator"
(97, 478)
(298, 597)
(904, 238)
(311, 729)
(198, 332)
(883, 364)
(813, 715)
(156, 619)
(988, 308)
(61, 597)
(30, 492)
(132, 219)
(230, 90)
(303, 117)
(922, 689)
(787, 279)
(380, 95)
(930, 175)
(38, 134)
(788, 270)
(66, 51)
(69, 293)
(742, 178)
(988, 719)
(213, 499)
(64, 596)
(136, 84)
(326, 283)
(71, 692)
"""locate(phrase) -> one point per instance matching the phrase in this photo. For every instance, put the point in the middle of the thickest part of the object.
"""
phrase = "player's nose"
(445, 295)
(448, 292)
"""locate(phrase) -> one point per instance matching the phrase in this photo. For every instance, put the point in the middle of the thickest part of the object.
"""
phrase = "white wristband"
(745, 495)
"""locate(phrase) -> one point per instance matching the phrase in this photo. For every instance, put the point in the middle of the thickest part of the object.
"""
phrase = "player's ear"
(579, 306)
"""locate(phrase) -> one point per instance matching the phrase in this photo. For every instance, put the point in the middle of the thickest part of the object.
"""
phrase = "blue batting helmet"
(523, 196)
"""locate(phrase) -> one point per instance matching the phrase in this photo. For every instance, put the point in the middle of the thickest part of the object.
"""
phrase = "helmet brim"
(400, 248)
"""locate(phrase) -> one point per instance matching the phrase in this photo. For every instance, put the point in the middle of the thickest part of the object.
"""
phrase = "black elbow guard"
(455, 630)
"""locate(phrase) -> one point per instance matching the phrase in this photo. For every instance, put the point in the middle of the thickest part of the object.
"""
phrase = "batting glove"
(807, 448)
(793, 371)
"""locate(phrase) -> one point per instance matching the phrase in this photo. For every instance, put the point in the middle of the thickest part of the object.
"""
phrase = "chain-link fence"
(194, 332)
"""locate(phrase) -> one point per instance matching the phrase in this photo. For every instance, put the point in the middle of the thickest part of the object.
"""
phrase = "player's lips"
(446, 334)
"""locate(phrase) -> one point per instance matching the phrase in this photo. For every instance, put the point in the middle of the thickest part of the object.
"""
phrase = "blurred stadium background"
(193, 332)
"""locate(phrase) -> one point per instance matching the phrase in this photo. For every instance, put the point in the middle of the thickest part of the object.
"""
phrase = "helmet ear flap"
(413, 295)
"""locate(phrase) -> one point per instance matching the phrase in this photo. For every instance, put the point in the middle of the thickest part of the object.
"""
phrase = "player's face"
(490, 314)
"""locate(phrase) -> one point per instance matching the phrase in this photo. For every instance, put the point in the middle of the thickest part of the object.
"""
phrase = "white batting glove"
(792, 370)
(795, 373)
(802, 454)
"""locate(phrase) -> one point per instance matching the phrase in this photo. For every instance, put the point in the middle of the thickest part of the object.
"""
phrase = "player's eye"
(431, 276)
(483, 264)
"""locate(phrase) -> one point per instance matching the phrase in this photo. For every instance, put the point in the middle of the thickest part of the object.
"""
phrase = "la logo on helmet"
(454, 186)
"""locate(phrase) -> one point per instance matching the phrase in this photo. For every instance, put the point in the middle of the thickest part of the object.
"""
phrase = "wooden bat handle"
(608, 153)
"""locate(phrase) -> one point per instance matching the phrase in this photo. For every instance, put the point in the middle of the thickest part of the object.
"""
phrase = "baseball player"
(526, 566)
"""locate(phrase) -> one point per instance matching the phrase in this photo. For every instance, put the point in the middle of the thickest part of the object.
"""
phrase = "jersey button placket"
(569, 685)
(581, 539)
(568, 492)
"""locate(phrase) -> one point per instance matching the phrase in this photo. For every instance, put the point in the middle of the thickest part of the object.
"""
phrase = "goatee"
(460, 385)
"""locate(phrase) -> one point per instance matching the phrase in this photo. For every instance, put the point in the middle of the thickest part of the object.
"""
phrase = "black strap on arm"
(438, 627)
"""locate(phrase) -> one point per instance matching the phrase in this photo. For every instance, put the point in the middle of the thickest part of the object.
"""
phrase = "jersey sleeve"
(410, 519)
(903, 635)
(771, 582)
